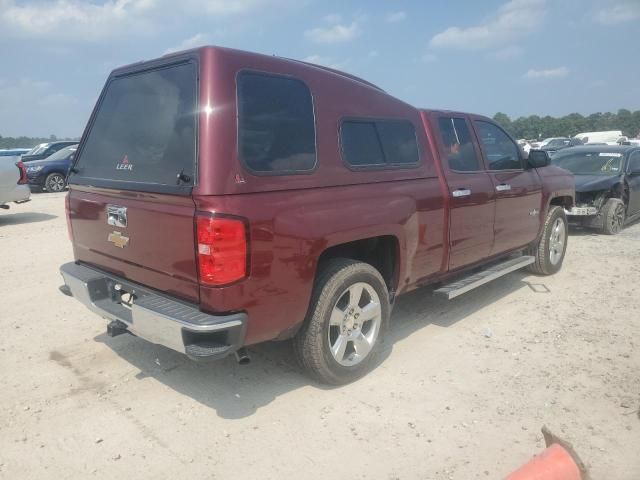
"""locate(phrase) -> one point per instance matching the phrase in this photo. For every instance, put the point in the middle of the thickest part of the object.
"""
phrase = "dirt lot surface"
(462, 391)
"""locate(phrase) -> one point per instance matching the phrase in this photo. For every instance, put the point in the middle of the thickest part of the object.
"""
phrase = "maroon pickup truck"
(221, 198)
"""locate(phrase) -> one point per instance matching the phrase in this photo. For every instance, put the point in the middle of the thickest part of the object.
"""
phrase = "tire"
(55, 182)
(332, 321)
(613, 216)
(550, 250)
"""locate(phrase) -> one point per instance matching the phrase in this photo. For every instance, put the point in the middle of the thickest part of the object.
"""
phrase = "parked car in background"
(45, 149)
(525, 146)
(560, 143)
(607, 185)
(300, 202)
(610, 137)
(13, 182)
(14, 152)
(50, 174)
(546, 141)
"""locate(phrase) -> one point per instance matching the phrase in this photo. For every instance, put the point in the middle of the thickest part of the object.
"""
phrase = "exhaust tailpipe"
(242, 356)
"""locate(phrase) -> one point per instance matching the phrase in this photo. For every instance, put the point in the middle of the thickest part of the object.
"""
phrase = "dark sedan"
(560, 144)
(607, 185)
(50, 174)
(45, 149)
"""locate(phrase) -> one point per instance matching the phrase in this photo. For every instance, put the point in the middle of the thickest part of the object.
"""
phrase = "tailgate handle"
(117, 216)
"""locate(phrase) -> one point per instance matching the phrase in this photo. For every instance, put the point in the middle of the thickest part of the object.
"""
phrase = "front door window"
(500, 151)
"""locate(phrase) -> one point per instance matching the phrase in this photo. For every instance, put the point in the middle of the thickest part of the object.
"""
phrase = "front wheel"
(613, 216)
(551, 247)
(344, 327)
(54, 182)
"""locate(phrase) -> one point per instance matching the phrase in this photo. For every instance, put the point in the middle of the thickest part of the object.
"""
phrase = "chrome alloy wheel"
(354, 324)
(557, 241)
(55, 183)
(617, 219)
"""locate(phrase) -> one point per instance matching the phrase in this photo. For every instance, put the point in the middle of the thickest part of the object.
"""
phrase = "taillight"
(24, 179)
(67, 211)
(222, 249)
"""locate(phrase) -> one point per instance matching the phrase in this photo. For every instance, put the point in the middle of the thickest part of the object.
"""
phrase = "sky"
(520, 57)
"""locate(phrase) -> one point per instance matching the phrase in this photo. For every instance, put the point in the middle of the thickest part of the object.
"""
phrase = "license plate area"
(582, 211)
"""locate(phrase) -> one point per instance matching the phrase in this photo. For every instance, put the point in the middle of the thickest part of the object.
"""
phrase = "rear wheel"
(613, 216)
(345, 324)
(550, 250)
(54, 182)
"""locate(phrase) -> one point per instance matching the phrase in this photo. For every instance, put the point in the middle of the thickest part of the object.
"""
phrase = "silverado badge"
(118, 239)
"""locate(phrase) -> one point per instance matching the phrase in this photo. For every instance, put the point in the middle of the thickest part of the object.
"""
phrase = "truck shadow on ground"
(236, 391)
(25, 217)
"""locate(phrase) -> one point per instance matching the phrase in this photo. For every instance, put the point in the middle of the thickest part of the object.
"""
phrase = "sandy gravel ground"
(461, 393)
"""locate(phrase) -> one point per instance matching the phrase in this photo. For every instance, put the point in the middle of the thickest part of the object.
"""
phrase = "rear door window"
(457, 144)
(276, 124)
(144, 131)
(379, 143)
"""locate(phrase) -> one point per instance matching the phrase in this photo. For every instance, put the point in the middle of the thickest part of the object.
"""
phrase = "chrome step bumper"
(152, 316)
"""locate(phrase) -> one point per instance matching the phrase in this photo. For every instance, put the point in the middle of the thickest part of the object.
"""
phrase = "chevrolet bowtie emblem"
(118, 239)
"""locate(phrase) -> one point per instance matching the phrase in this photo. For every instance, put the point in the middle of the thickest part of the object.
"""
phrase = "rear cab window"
(276, 124)
(379, 143)
(144, 133)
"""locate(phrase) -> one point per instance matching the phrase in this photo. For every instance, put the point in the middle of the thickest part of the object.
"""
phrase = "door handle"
(503, 187)
(461, 192)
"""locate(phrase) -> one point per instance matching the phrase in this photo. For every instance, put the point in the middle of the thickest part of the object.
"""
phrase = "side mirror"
(538, 158)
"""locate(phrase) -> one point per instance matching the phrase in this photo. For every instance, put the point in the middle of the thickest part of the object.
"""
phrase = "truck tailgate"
(155, 248)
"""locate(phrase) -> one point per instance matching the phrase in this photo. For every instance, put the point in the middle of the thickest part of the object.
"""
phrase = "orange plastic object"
(554, 463)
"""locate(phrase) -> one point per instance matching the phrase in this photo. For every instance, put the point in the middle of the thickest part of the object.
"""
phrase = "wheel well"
(380, 252)
(566, 202)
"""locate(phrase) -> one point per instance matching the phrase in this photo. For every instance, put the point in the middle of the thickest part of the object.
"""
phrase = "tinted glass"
(634, 162)
(63, 153)
(379, 142)
(457, 143)
(54, 148)
(500, 150)
(145, 129)
(589, 163)
(276, 128)
(38, 149)
(398, 141)
(360, 144)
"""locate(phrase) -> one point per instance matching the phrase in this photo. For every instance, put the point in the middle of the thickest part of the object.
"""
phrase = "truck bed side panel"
(290, 230)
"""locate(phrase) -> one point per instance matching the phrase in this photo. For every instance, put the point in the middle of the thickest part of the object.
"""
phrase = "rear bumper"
(155, 317)
(36, 180)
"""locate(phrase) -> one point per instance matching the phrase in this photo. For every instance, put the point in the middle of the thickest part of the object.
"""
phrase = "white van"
(610, 137)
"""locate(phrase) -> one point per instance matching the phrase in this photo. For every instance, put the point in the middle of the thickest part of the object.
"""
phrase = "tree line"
(26, 142)
(536, 127)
